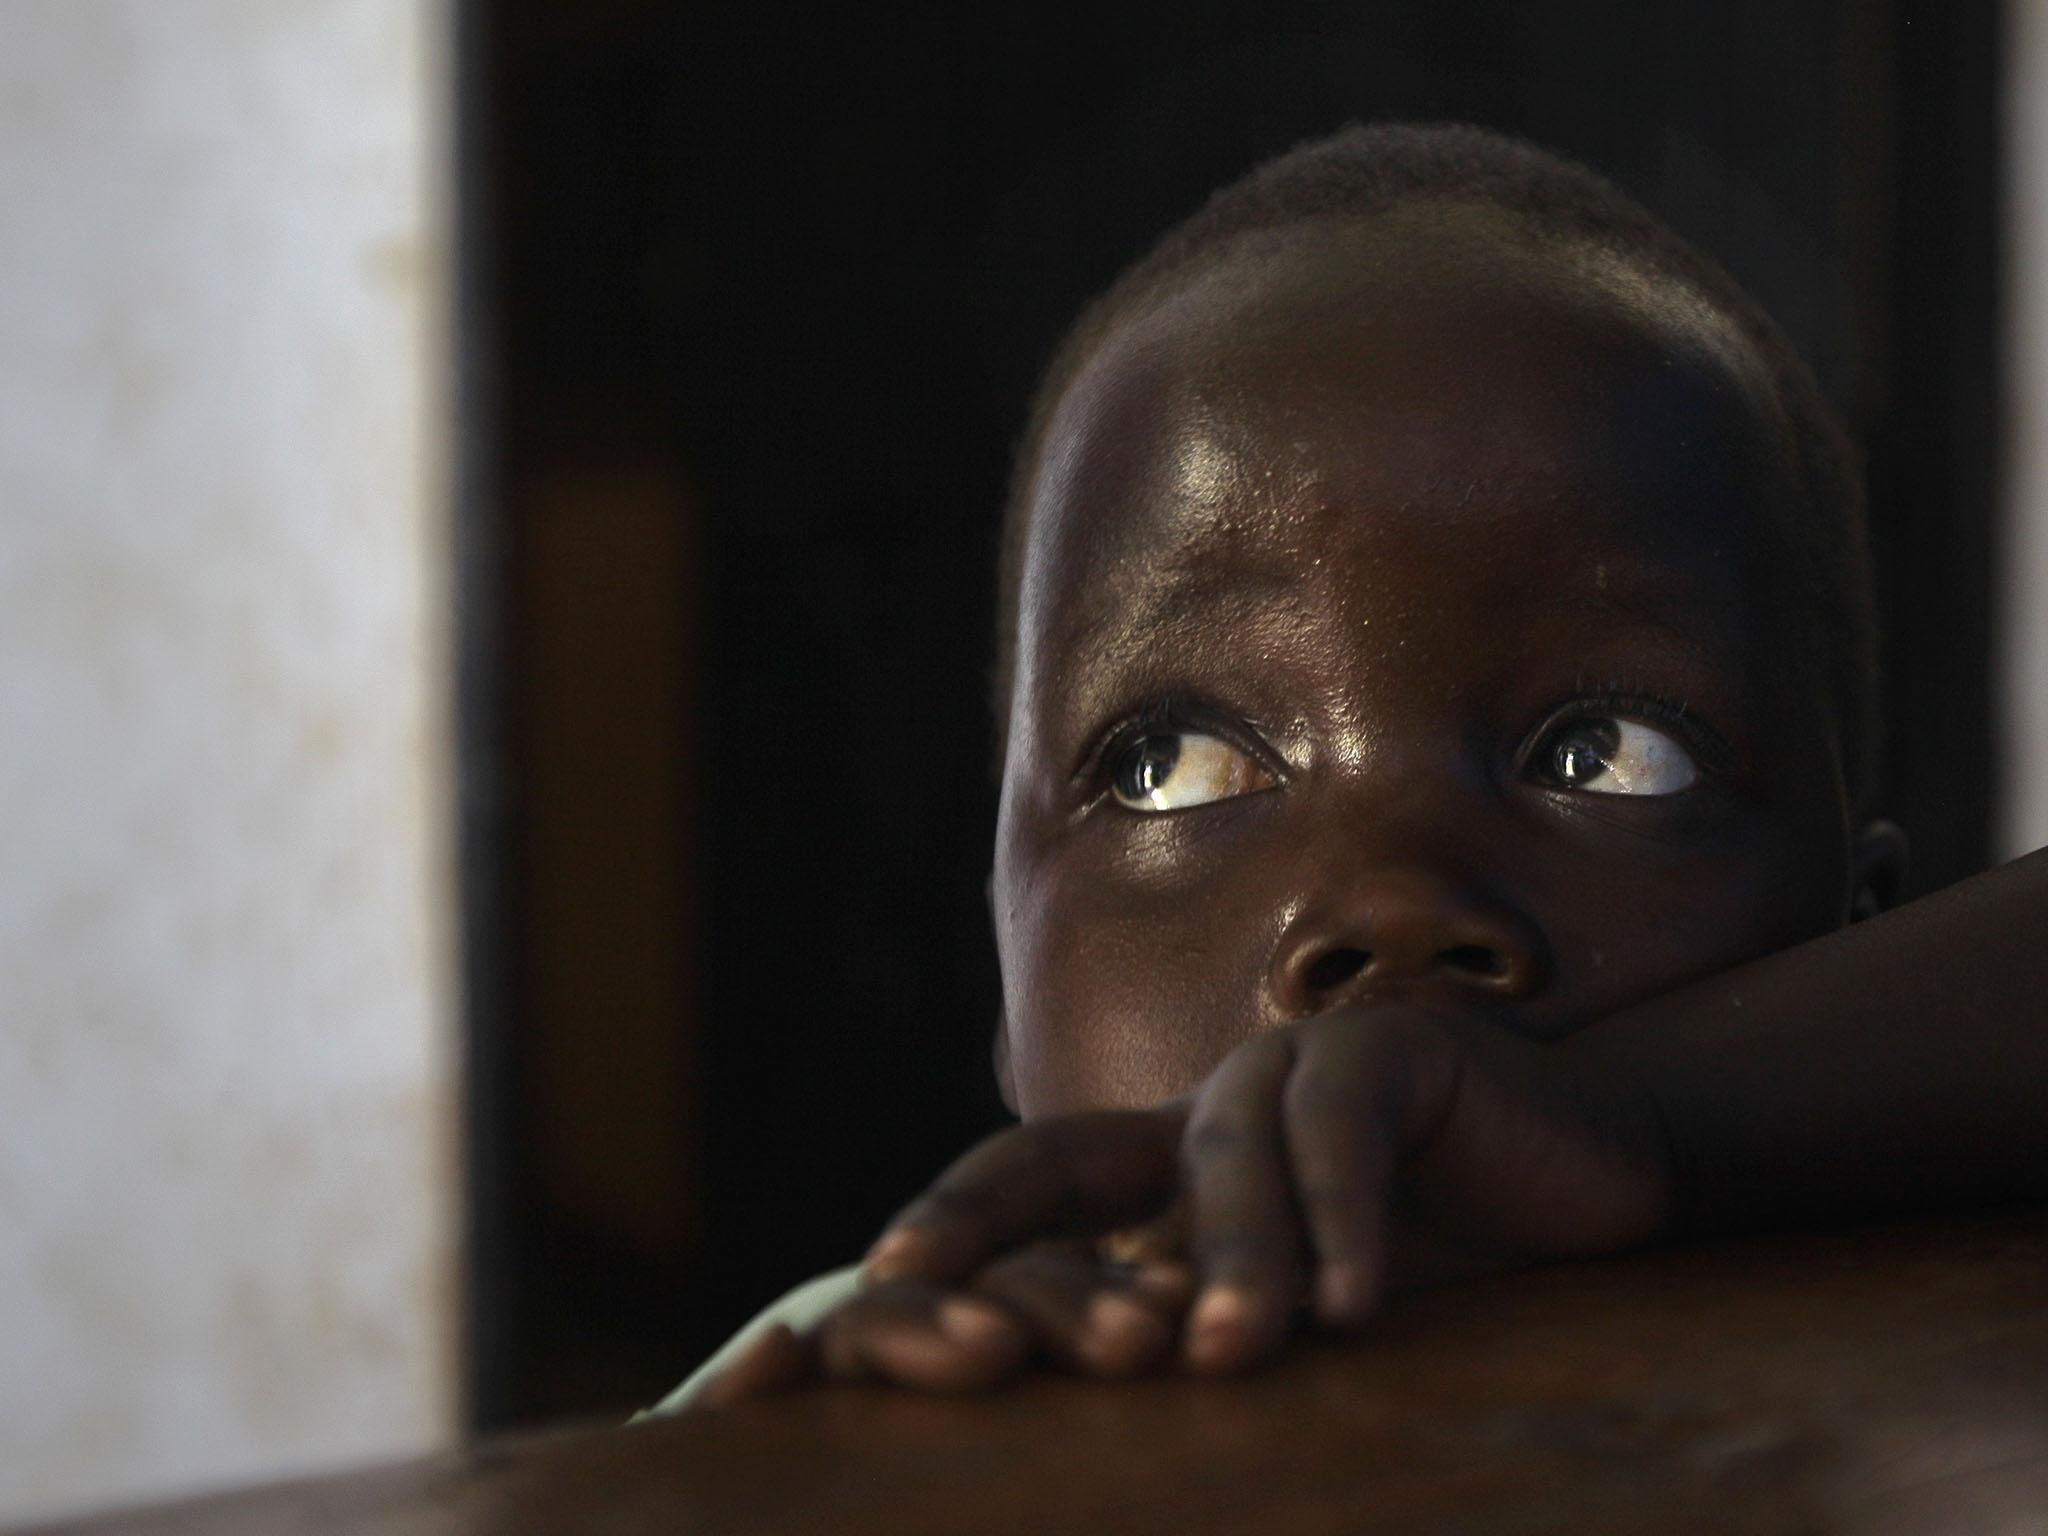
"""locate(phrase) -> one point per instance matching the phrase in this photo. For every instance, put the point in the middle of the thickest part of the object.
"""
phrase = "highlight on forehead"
(1360, 173)
(1202, 467)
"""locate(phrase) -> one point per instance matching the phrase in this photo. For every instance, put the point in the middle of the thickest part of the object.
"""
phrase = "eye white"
(1614, 756)
(1177, 770)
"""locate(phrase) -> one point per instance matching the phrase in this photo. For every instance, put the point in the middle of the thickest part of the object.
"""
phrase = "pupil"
(1587, 752)
(1149, 765)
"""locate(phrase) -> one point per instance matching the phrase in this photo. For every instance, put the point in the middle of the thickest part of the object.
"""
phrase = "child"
(1437, 682)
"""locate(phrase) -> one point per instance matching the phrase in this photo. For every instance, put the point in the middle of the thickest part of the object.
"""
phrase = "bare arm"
(1899, 1061)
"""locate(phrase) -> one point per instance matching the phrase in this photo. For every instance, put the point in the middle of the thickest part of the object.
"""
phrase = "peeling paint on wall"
(226, 1078)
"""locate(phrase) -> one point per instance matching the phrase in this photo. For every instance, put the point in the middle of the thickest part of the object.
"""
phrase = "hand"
(1059, 1303)
(1317, 1160)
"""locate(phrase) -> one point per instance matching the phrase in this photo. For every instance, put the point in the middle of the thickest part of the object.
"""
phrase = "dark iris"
(1145, 765)
(1585, 751)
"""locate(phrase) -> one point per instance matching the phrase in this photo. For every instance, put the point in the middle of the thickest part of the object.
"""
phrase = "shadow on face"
(1392, 629)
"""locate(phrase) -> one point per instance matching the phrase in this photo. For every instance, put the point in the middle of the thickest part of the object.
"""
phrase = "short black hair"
(1361, 172)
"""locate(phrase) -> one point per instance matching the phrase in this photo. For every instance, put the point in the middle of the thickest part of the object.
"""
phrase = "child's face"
(1391, 630)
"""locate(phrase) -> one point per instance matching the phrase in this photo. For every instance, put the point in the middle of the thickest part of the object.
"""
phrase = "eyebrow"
(1184, 584)
(1628, 586)
(1195, 584)
(1642, 602)
(1653, 595)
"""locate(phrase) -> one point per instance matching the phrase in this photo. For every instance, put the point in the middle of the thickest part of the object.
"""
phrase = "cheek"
(1119, 997)
(1641, 930)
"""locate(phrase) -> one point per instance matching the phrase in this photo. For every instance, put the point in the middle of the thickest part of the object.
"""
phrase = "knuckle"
(1214, 1131)
(874, 1308)
(948, 1217)
(840, 1340)
(1233, 1250)
(1317, 1091)
(1375, 1028)
(1371, 1062)
(944, 1204)
(1267, 1053)
(1019, 1146)
(1360, 1100)
(1033, 1269)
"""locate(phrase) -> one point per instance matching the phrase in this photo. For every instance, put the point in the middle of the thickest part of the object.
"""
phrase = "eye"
(1609, 755)
(1176, 770)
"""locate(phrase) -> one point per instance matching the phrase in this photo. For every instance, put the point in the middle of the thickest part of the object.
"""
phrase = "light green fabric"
(800, 1309)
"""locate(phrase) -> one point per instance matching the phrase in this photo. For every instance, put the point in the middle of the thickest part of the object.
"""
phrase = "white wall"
(226, 1152)
(2024, 567)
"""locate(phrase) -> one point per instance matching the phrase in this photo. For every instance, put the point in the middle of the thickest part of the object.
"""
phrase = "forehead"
(1430, 393)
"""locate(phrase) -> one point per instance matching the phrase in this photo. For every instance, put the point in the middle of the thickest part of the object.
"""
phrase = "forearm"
(1900, 1061)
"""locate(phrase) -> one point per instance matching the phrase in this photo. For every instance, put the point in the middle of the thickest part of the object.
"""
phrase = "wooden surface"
(1886, 1381)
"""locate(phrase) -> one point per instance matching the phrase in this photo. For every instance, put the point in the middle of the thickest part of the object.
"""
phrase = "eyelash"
(1172, 713)
(1633, 701)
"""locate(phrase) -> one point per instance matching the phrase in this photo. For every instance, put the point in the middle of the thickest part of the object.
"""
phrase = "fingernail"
(1343, 1294)
(1167, 1283)
(973, 1324)
(1112, 1315)
(1120, 1335)
(1222, 1322)
(897, 1252)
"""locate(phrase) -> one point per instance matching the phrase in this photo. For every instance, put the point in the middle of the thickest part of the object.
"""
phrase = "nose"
(1403, 932)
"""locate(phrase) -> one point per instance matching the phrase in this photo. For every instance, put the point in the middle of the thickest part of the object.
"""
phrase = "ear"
(1006, 1083)
(1877, 870)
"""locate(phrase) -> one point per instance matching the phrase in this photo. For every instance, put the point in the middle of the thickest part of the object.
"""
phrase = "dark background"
(754, 298)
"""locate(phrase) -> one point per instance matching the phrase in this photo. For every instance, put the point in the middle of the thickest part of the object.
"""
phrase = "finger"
(775, 1362)
(1244, 1237)
(1088, 1316)
(1344, 1109)
(1067, 1176)
(914, 1336)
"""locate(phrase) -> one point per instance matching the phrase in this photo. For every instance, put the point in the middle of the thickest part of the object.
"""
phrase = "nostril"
(1332, 969)
(1474, 960)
